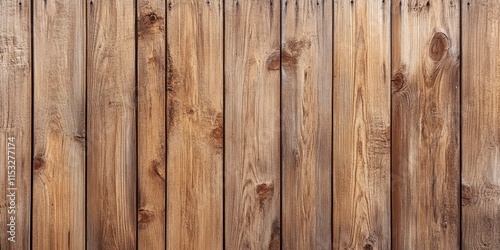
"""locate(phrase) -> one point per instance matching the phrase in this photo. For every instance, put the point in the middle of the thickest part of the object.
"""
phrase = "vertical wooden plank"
(15, 124)
(151, 123)
(307, 123)
(361, 125)
(59, 125)
(194, 124)
(481, 124)
(425, 118)
(252, 122)
(111, 110)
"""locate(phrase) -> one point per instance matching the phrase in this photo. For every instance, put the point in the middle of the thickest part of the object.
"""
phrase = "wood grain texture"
(306, 115)
(111, 117)
(15, 120)
(59, 125)
(480, 124)
(361, 115)
(151, 65)
(252, 122)
(194, 124)
(425, 124)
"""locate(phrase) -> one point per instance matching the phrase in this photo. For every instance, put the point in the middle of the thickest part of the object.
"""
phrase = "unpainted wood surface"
(481, 124)
(306, 115)
(15, 120)
(425, 124)
(361, 114)
(252, 125)
(59, 125)
(151, 133)
(194, 124)
(111, 124)
(208, 124)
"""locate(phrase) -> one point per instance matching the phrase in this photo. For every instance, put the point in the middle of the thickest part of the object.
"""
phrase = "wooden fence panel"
(425, 124)
(291, 124)
(481, 124)
(361, 94)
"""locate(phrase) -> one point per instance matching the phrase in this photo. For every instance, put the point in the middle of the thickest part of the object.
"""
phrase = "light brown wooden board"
(15, 120)
(194, 124)
(306, 115)
(252, 124)
(59, 124)
(425, 124)
(111, 123)
(481, 124)
(361, 114)
(151, 66)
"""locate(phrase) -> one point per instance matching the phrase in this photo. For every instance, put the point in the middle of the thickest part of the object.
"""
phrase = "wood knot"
(263, 189)
(148, 24)
(38, 163)
(144, 217)
(466, 195)
(273, 61)
(289, 54)
(274, 243)
(439, 46)
(218, 135)
(153, 18)
(368, 247)
(398, 81)
(156, 169)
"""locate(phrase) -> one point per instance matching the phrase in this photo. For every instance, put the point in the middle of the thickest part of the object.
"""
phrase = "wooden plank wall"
(228, 124)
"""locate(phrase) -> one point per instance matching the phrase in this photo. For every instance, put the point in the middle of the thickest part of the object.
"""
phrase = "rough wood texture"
(252, 122)
(306, 115)
(481, 124)
(111, 145)
(15, 119)
(59, 125)
(361, 94)
(151, 65)
(194, 124)
(425, 124)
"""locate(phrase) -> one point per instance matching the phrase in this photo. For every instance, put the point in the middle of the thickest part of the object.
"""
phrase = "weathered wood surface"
(111, 124)
(306, 115)
(293, 124)
(481, 124)
(361, 114)
(252, 125)
(151, 117)
(15, 121)
(425, 124)
(59, 37)
(195, 124)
